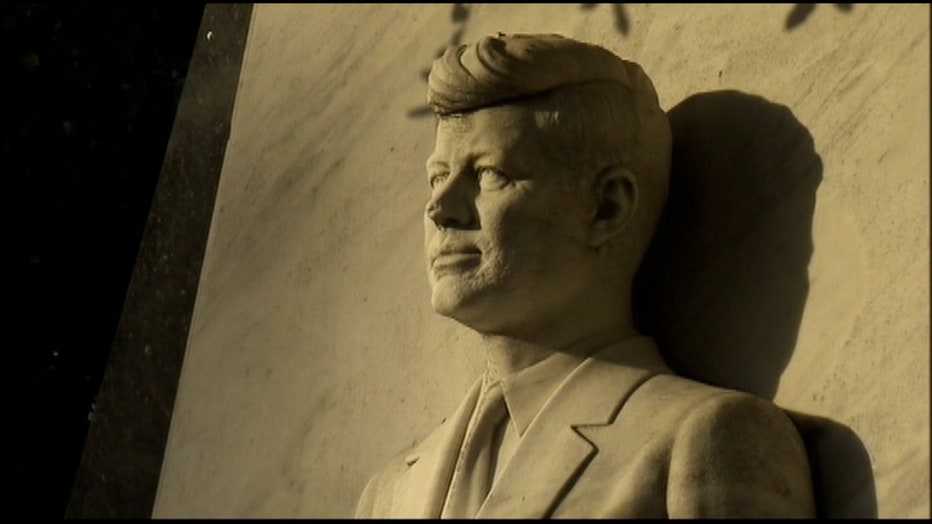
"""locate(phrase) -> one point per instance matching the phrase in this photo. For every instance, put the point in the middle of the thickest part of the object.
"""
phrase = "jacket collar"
(553, 451)
(422, 490)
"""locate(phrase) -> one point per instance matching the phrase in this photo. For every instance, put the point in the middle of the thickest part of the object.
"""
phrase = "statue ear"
(616, 192)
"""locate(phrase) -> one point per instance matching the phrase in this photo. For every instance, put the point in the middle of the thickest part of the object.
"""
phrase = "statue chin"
(465, 306)
(450, 300)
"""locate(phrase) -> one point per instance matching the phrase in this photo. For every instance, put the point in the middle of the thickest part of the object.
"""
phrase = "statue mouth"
(455, 258)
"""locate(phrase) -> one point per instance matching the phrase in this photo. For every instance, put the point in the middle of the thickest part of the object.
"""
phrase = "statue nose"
(452, 206)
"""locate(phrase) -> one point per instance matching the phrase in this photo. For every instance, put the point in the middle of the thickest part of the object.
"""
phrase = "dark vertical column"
(122, 459)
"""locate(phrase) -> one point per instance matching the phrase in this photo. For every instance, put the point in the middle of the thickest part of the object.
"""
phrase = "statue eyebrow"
(437, 164)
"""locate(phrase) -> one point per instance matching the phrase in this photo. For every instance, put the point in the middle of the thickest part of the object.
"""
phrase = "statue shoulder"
(700, 409)
(736, 454)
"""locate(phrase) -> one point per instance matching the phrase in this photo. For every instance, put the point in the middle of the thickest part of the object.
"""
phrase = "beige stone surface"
(313, 355)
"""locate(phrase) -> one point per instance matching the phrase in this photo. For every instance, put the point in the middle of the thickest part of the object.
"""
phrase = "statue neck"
(601, 318)
(506, 355)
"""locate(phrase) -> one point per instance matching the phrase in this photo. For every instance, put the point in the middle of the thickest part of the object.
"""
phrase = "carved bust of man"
(547, 179)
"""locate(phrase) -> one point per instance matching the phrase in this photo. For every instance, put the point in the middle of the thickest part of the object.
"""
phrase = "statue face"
(504, 228)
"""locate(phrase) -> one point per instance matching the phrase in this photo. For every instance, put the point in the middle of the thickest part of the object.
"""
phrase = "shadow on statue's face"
(504, 229)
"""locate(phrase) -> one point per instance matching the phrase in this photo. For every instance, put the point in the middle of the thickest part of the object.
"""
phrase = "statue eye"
(491, 178)
(437, 179)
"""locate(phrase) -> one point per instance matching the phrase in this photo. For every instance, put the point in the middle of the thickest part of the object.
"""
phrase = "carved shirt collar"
(527, 391)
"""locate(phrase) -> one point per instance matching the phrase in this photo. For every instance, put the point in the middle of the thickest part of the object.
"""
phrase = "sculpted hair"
(598, 109)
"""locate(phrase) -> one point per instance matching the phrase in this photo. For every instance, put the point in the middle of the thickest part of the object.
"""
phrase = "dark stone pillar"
(122, 459)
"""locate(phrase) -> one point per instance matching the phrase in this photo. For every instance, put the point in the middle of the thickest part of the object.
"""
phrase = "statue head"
(548, 176)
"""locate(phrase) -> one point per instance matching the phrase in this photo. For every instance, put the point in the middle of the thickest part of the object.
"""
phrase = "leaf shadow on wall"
(801, 12)
(723, 286)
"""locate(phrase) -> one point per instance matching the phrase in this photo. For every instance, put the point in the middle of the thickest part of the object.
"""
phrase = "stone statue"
(548, 177)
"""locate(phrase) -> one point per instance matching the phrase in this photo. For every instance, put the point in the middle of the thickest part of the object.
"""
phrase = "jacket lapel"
(420, 493)
(553, 451)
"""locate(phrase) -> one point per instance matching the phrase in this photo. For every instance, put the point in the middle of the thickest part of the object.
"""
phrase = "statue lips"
(455, 258)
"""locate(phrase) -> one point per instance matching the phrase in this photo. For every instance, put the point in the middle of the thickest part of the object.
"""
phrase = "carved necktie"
(472, 477)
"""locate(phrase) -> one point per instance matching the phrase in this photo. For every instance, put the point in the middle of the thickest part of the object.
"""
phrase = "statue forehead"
(504, 125)
(498, 116)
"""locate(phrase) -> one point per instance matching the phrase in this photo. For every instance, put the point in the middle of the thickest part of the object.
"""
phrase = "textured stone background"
(313, 357)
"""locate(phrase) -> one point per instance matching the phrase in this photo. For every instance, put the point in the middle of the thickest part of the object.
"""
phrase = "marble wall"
(313, 356)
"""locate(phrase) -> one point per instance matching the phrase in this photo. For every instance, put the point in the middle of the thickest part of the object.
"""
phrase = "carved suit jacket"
(620, 437)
